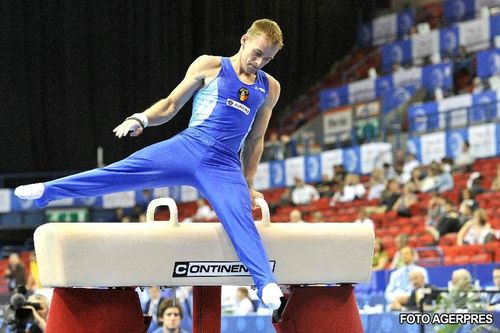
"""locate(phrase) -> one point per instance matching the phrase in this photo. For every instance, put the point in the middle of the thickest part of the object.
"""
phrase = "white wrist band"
(141, 118)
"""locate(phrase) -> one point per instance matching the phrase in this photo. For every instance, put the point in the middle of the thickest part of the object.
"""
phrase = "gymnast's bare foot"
(30, 192)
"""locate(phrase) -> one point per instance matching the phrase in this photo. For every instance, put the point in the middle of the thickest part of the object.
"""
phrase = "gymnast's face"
(256, 52)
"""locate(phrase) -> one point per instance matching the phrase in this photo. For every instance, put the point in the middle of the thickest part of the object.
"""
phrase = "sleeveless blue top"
(226, 108)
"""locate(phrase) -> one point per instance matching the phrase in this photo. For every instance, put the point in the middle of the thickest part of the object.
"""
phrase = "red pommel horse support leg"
(112, 255)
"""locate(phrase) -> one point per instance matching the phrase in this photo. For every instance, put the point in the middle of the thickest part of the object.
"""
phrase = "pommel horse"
(88, 264)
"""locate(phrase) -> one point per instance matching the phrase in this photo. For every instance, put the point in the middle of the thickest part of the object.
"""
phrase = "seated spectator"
(324, 188)
(444, 180)
(400, 242)
(203, 212)
(170, 316)
(244, 304)
(303, 194)
(339, 173)
(494, 298)
(389, 197)
(495, 185)
(435, 210)
(364, 217)
(467, 200)
(296, 216)
(465, 160)
(274, 148)
(317, 217)
(459, 290)
(416, 178)
(351, 190)
(377, 184)
(447, 164)
(410, 164)
(429, 183)
(417, 296)
(380, 256)
(152, 305)
(389, 172)
(476, 184)
(466, 214)
(399, 287)
(477, 230)
(404, 203)
(448, 223)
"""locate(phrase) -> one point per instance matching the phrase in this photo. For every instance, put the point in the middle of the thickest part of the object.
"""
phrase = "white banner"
(408, 76)
(482, 139)
(4, 200)
(485, 3)
(294, 167)
(330, 158)
(433, 147)
(337, 124)
(161, 192)
(61, 202)
(475, 34)
(262, 178)
(423, 45)
(117, 200)
(385, 29)
(361, 91)
(367, 110)
(459, 105)
(374, 155)
(189, 193)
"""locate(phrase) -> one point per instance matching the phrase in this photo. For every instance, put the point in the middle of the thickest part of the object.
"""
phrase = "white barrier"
(173, 254)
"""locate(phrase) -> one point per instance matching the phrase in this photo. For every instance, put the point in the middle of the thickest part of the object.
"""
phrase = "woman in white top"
(475, 231)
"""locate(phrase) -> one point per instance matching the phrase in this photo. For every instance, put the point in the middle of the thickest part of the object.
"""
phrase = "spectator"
(417, 296)
(364, 217)
(290, 146)
(435, 210)
(275, 148)
(416, 178)
(380, 256)
(15, 272)
(171, 315)
(449, 223)
(466, 214)
(339, 173)
(377, 184)
(495, 185)
(400, 242)
(152, 305)
(296, 216)
(317, 217)
(444, 180)
(410, 164)
(303, 194)
(494, 298)
(406, 201)
(40, 315)
(203, 212)
(467, 200)
(399, 287)
(465, 160)
(459, 290)
(33, 281)
(476, 231)
(244, 305)
(430, 182)
(351, 190)
(389, 197)
(389, 172)
(476, 181)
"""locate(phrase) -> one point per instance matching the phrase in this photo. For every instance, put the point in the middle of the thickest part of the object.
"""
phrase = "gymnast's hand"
(131, 126)
(255, 195)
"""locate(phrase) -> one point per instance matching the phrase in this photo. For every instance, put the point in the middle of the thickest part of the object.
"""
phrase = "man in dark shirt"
(14, 273)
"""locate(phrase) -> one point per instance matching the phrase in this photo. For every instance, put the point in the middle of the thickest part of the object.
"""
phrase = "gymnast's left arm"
(254, 143)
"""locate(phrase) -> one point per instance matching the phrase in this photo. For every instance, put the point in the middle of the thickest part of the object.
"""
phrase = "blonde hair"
(269, 28)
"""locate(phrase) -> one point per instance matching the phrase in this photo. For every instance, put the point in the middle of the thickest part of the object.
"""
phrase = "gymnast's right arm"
(165, 109)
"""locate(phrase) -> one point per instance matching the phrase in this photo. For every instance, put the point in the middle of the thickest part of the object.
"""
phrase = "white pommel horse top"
(167, 253)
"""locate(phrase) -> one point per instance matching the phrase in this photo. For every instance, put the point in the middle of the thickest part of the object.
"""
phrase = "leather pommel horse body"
(81, 259)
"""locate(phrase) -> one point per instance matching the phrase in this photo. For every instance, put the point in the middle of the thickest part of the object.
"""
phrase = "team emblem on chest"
(243, 94)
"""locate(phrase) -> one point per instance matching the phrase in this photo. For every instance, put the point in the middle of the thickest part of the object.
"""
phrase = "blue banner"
(413, 147)
(88, 202)
(497, 132)
(484, 107)
(333, 98)
(423, 117)
(397, 96)
(398, 52)
(458, 10)
(351, 159)
(277, 174)
(449, 41)
(365, 35)
(437, 76)
(406, 20)
(488, 63)
(313, 170)
(383, 85)
(455, 141)
(494, 26)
